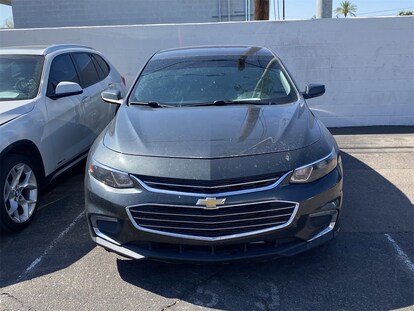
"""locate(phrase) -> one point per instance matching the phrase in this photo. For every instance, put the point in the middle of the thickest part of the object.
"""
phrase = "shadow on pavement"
(357, 270)
(42, 239)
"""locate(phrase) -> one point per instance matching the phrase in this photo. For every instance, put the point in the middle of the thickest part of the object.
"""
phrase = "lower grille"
(205, 251)
(197, 222)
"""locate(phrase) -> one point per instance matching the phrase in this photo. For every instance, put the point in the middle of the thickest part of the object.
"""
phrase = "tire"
(19, 191)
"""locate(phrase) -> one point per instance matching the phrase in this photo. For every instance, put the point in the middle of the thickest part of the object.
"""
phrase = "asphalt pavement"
(54, 265)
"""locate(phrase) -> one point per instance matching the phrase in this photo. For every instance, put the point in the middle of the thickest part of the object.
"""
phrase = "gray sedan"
(213, 156)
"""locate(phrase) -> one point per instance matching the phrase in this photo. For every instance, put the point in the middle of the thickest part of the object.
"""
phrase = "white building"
(62, 13)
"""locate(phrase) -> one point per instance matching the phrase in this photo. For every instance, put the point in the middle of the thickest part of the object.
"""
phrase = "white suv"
(51, 111)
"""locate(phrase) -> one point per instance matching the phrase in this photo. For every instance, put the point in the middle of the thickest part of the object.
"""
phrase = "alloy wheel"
(20, 193)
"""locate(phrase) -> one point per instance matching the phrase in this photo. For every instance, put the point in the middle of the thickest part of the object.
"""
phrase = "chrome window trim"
(218, 194)
(219, 238)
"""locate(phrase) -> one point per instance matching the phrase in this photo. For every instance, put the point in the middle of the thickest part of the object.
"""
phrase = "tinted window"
(87, 70)
(205, 79)
(20, 76)
(62, 69)
(101, 66)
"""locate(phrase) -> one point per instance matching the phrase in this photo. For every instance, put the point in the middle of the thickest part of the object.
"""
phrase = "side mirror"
(112, 97)
(313, 90)
(66, 88)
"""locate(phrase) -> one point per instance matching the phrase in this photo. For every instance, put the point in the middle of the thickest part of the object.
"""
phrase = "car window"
(101, 66)
(87, 70)
(208, 79)
(20, 76)
(61, 69)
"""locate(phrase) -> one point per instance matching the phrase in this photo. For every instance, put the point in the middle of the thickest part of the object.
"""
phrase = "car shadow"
(20, 252)
(357, 270)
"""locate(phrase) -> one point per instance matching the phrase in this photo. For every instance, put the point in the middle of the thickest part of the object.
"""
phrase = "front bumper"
(207, 256)
(314, 223)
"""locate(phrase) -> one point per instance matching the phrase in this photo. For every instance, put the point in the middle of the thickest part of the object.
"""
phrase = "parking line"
(51, 246)
(50, 203)
(403, 256)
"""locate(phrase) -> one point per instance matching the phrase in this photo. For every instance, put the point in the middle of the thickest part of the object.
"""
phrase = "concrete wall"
(366, 64)
(62, 13)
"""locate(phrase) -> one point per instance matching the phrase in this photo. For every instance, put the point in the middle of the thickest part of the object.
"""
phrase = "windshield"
(201, 79)
(20, 76)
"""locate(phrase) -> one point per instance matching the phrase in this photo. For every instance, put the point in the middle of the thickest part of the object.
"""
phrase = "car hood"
(211, 131)
(10, 110)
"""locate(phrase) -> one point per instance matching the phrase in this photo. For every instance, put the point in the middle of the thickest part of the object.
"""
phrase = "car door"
(64, 125)
(109, 81)
(97, 112)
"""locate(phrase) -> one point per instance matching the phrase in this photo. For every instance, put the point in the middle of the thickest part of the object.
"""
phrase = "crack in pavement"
(22, 304)
(189, 290)
(170, 305)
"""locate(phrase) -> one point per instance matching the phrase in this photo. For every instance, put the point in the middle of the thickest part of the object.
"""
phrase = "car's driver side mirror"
(313, 90)
(112, 97)
(66, 88)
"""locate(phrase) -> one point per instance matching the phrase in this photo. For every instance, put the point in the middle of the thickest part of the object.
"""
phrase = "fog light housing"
(103, 226)
(333, 214)
(334, 204)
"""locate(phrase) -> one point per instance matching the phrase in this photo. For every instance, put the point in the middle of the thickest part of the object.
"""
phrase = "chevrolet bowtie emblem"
(211, 203)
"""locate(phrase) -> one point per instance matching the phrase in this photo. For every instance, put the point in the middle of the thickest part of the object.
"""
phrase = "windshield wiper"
(151, 104)
(232, 102)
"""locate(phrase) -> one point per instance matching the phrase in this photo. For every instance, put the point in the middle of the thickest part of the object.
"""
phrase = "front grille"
(209, 187)
(212, 223)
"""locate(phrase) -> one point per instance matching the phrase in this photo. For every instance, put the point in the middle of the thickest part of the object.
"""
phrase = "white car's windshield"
(20, 76)
(192, 80)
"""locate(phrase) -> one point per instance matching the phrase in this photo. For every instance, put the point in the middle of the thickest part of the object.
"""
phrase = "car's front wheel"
(18, 192)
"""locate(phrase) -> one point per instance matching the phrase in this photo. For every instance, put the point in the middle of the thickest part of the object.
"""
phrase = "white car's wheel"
(18, 192)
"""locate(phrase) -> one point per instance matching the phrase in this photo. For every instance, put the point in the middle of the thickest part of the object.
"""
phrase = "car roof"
(40, 49)
(241, 51)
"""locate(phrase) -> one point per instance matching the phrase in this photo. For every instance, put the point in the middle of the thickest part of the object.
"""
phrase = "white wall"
(366, 64)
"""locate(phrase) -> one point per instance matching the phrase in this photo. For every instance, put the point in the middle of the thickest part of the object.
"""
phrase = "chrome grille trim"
(250, 226)
(218, 194)
(274, 225)
(216, 222)
(153, 183)
(224, 215)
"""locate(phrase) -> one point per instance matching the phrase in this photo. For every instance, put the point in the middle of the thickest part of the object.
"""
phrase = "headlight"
(316, 170)
(110, 177)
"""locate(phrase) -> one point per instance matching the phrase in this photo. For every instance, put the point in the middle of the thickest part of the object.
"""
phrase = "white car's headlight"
(316, 170)
(110, 177)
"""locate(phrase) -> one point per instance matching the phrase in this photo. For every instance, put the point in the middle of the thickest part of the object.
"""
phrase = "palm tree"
(405, 13)
(346, 8)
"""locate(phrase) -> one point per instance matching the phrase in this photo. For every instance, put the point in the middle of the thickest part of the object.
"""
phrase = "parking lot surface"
(54, 265)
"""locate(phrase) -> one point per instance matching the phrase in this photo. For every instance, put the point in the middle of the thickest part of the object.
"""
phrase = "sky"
(305, 9)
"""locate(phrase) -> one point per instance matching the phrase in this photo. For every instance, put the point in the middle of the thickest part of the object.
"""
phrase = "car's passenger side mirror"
(112, 96)
(313, 90)
(66, 88)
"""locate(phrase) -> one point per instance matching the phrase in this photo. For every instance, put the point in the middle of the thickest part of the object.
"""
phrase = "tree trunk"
(261, 9)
